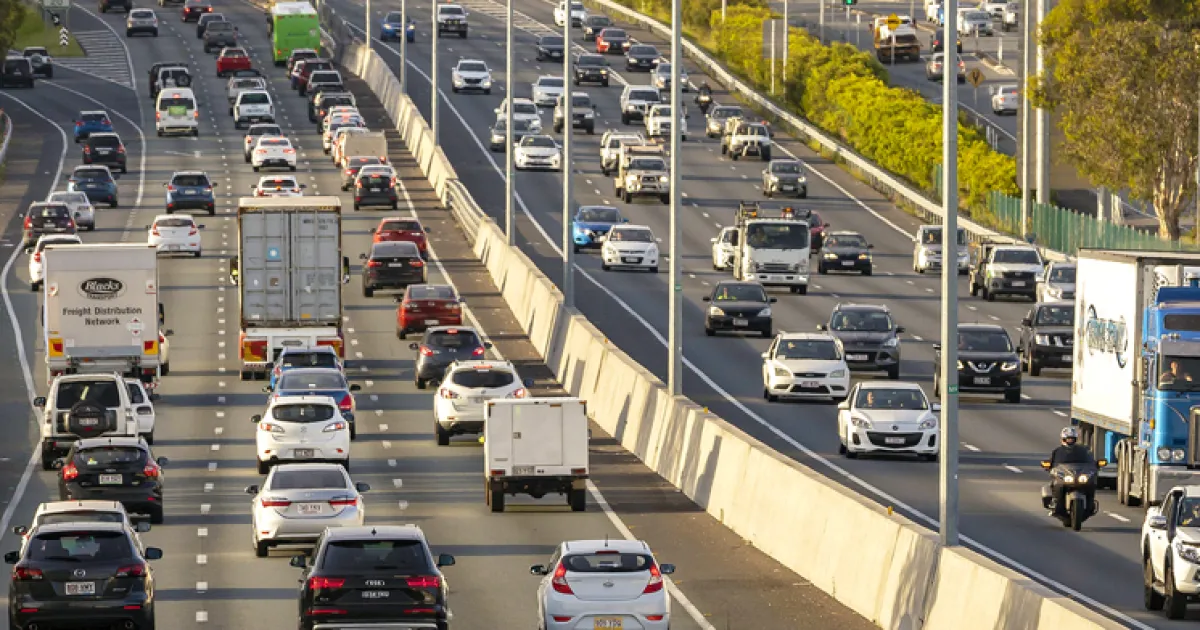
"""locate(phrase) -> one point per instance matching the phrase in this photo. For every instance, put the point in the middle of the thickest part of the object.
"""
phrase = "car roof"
(843, 233)
(851, 306)
(1055, 303)
(737, 283)
(75, 526)
(111, 440)
(881, 384)
(627, 226)
(489, 364)
(369, 532)
(812, 336)
(433, 329)
(57, 239)
(86, 167)
(981, 328)
(308, 350)
(318, 370)
(163, 217)
(307, 466)
(104, 134)
(618, 544)
(58, 507)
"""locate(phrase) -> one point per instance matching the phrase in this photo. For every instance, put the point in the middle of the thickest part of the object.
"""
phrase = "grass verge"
(35, 31)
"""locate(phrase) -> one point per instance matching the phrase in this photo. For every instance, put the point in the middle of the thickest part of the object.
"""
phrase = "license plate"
(787, 187)
(103, 151)
(81, 588)
(847, 263)
(856, 357)
(983, 380)
(1068, 358)
(376, 594)
(395, 264)
(174, 248)
(523, 470)
(810, 384)
(110, 480)
(1018, 283)
(741, 322)
(893, 440)
(189, 192)
(376, 189)
(89, 422)
(309, 508)
(432, 322)
(631, 259)
(608, 623)
(303, 453)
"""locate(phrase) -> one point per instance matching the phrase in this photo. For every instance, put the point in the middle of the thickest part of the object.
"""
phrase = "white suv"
(301, 429)
(458, 405)
(36, 265)
(658, 123)
(603, 584)
(888, 417)
(471, 74)
(252, 106)
(143, 408)
(578, 14)
(1171, 552)
(805, 365)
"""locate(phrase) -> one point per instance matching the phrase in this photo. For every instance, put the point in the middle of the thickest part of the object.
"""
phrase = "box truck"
(536, 446)
(101, 310)
(290, 270)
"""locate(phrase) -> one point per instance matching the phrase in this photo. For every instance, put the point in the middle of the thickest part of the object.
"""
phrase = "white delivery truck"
(101, 310)
(290, 271)
(536, 446)
(366, 144)
(772, 247)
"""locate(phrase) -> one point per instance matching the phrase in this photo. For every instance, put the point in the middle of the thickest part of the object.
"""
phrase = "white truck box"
(101, 309)
(368, 144)
(536, 446)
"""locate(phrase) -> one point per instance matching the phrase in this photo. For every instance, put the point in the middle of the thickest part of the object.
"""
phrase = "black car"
(114, 468)
(218, 33)
(550, 47)
(190, 190)
(193, 9)
(39, 58)
(642, 57)
(375, 189)
(988, 363)
(443, 345)
(17, 71)
(391, 265)
(109, 5)
(320, 105)
(73, 574)
(45, 217)
(591, 68)
(593, 24)
(937, 43)
(107, 149)
(373, 576)
(354, 164)
(152, 74)
(1047, 337)
(845, 251)
(870, 337)
(738, 306)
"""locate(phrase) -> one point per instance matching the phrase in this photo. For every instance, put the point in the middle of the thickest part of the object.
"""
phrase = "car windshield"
(1056, 315)
(900, 398)
(310, 359)
(1017, 256)
(80, 547)
(614, 33)
(607, 562)
(331, 379)
(647, 164)
(550, 82)
(174, 222)
(431, 292)
(861, 321)
(599, 215)
(853, 241)
(103, 393)
(811, 349)
(76, 516)
(789, 168)
(352, 557)
(552, 40)
(265, 130)
(649, 96)
(307, 480)
(598, 20)
(739, 293)
(541, 142)
(581, 101)
(726, 112)
(68, 197)
(165, 104)
(754, 130)
(482, 379)
(94, 117)
(255, 98)
(472, 67)
(591, 60)
(450, 10)
(400, 225)
(109, 456)
(393, 17)
(631, 236)
(302, 412)
(1064, 275)
(49, 211)
(933, 236)
(141, 14)
(1008, 90)
(979, 16)
(777, 236)
(455, 339)
(983, 341)
(663, 68)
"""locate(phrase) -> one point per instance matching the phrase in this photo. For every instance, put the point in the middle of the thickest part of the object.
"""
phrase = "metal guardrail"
(465, 210)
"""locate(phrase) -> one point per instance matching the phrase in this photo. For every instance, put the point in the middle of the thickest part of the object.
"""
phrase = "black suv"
(18, 71)
(45, 217)
(987, 363)
(845, 251)
(593, 24)
(107, 149)
(114, 468)
(642, 57)
(374, 575)
(443, 345)
(1047, 337)
(591, 68)
(71, 574)
(109, 5)
(550, 47)
(738, 306)
(869, 336)
(391, 265)
(375, 189)
(320, 105)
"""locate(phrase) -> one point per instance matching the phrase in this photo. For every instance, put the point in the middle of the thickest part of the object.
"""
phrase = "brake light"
(132, 570)
(425, 581)
(70, 472)
(519, 393)
(196, 115)
(346, 403)
(358, 185)
(162, 338)
(121, 149)
(477, 352)
(171, 188)
(78, 123)
(37, 257)
(426, 351)
(275, 502)
(343, 502)
(270, 427)
(374, 263)
(106, 122)
(349, 171)
(194, 231)
(447, 394)
(154, 230)
(157, 115)
(28, 222)
(417, 263)
(151, 470)
(656, 580)
(26, 573)
(408, 306)
(87, 150)
(70, 223)
(560, 580)
(317, 583)
(289, 150)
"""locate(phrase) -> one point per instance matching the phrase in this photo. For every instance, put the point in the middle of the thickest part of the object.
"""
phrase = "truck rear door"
(537, 436)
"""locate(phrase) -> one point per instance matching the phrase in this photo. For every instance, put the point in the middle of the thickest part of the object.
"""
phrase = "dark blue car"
(319, 382)
(95, 181)
(190, 190)
(90, 122)
(300, 358)
(389, 29)
(591, 223)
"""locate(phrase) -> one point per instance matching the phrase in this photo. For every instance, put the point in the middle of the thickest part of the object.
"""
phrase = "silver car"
(662, 77)
(1057, 283)
(975, 23)
(141, 21)
(714, 123)
(81, 208)
(547, 90)
(298, 502)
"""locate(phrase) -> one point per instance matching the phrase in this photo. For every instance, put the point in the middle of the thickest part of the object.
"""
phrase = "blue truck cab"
(1171, 376)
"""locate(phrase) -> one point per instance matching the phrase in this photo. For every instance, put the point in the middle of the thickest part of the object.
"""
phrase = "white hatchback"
(36, 266)
(278, 186)
(458, 406)
(301, 429)
(471, 74)
(143, 408)
(273, 151)
(805, 365)
(630, 247)
(603, 584)
(297, 502)
(81, 208)
(888, 417)
(537, 152)
(175, 234)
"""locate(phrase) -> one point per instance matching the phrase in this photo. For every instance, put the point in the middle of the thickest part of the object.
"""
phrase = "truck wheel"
(894, 373)
(1035, 369)
(420, 383)
(156, 514)
(1151, 598)
(47, 459)
(443, 436)
(628, 197)
(577, 499)
(262, 549)
(401, 333)
(665, 197)
(733, 156)
(496, 500)
(368, 292)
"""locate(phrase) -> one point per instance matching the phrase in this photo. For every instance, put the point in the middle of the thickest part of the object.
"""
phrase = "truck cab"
(611, 145)
(1000, 269)
(642, 171)
(901, 43)
(773, 246)
(83, 406)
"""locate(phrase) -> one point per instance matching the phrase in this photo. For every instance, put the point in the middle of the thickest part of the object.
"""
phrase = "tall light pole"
(787, 16)
(948, 479)
(1043, 115)
(403, 75)
(1026, 130)
(509, 90)
(568, 170)
(367, 25)
(675, 281)
(433, 80)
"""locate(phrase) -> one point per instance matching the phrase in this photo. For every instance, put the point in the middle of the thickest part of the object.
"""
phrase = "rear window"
(16, 66)
(400, 226)
(277, 183)
(49, 211)
(459, 339)
(302, 413)
(175, 101)
(233, 52)
(312, 380)
(308, 480)
(218, 25)
(326, 77)
(477, 379)
(92, 173)
(314, 66)
(614, 32)
(607, 562)
(174, 222)
(319, 359)
(430, 292)
(247, 83)
(79, 547)
(103, 393)
(104, 141)
(190, 180)
(255, 98)
(109, 456)
(96, 117)
(394, 249)
(374, 180)
(353, 556)
(550, 82)
(142, 14)
(271, 130)
(363, 161)
(76, 516)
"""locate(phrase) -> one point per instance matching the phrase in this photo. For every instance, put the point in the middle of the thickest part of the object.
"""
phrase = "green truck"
(294, 25)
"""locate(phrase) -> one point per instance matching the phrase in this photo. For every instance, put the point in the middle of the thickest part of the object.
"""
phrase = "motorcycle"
(1079, 483)
(704, 101)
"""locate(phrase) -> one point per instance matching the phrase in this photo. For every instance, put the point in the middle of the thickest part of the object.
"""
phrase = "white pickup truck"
(83, 406)
(658, 123)
(536, 446)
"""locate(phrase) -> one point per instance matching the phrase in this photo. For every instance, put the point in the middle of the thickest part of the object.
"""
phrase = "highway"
(1001, 444)
(209, 577)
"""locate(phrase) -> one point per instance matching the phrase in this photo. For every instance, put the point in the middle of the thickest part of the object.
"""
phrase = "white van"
(175, 112)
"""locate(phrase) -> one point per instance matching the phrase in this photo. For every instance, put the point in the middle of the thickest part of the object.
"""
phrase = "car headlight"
(927, 424)
(1187, 552)
(891, 343)
(782, 373)
(604, 73)
(1083, 478)
(1010, 366)
(652, 250)
(774, 179)
(1164, 454)
(631, 108)
(664, 179)
(860, 423)
(766, 312)
(715, 311)
(960, 365)
(837, 374)
(1041, 340)
(830, 256)
(864, 256)
(1178, 454)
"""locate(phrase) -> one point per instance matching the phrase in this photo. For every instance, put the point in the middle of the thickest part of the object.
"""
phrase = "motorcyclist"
(704, 96)
(1071, 452)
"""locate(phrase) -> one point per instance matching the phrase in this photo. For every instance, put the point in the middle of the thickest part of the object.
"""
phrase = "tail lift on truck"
(772, 246)
(1135, 390)
(100, 310)
(290, 271)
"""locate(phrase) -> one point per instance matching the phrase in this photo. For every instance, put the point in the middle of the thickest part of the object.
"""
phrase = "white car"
(994, 7)
(630, 246)
(1005, 99)
(338, 112)
(252, 106)
(332, 125)
(1171, 552)
(458, 404)
(36, 266)
(164, 351)
(301, 429)
(974, 23)
(578, 14)
(547, 90)
(805, 365)
(279, 186)
(888, 417)
(143, 408)
(79, 511)
(236, 85)
(538, 152)
(523, 109)
(273, 151)
(658, 123)
(297, 502)
(255, 132)
(471, 74)
(81, 208)
(722, 249)
(175, 234)
(603, 584)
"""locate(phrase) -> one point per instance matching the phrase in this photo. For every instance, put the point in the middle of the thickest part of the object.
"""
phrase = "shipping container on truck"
(536, 446)
(101, 310)
(1137, 318)
(290, 270)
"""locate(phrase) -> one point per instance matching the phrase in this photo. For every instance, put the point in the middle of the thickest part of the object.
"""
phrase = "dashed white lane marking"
(1059, 413)
(1013, 469)
(202, 532)
(1118, 517)
(1025, 397)
(201, 616)
(398, 483)
(201, 587)
(917, 338)
(205, 508)
(994, 318)
(972, 308)
(971, 447)
(201, 558)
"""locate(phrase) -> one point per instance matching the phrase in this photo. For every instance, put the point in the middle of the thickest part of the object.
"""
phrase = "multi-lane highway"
(209, 577)
(1001, 444)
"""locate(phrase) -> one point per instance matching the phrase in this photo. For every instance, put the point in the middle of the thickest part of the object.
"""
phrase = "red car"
(816, 229)
(612, 40)
(402, 229)
(232, 60)
(425, 305)
(193, 9)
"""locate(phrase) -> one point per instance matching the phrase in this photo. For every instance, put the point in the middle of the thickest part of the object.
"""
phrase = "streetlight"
(1026, 130)
(509, 90)
(433, 79)
(948, 477)
(568, 171)
(674, 281)
(404, 46)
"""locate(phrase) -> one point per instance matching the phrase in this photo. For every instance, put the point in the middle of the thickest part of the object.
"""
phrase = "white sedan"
(888, 417)
(1005, 99)
(81, 208)
(523, 109)
(471, 74)
(458, 405)
(805, 365)
(630, 246)
(603, 584)
(80, 511)
(272, 151)
(280, 186)
(301, 429)
(297, 502)
(538, 152)
(36, 265)
(175, 234)
(547, 90)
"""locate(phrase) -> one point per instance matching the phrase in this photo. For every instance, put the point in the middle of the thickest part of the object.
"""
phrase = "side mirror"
(168, 332)
(1025, 321)
(39, 402)
(844, 405)
(20, 530)
(13, 557)
(267, 389)
(299, 562)
(899, 329)
(870, 247)
(362, 487)
(251, 490)
(1046, 464)
(445, 560)
(256, 418)
(537, 569)
(487, 345)
(144, 410)
(162, 461)
(1155, 521)
(356, 388)
(706, 299)
(302, 186)
(666, 569)
(821, 326)
(1101, 463)
(141, 527)
(253, 186)
(772, 300)
(153, 553)
(372, 231)
(765, 355)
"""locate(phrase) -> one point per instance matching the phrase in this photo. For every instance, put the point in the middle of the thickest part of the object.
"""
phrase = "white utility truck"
(536, 446)
(772, 247)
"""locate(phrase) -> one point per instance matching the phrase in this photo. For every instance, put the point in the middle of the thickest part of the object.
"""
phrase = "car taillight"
(261, 151)
(424, 581)
(343, 502)
(154, 231)
(150, 470)
(78, 123)
(289, 150)
(157, 115)
(120, 149)
(478, 352)
(426, 351)
(37, 257)
(26, 573)
(447, 393)
(87, 150)
(196, 115)
(317, 583)
(454, 306)
(374, 263)
(171, 188)
(519, 393)
(193, 232)
(358, 185)
(70, 223)
(349, 171)
(106, 122)
(275, 502)
(346, 403)
(162, 338)
(270, 427)
(560, 580)
(417, 263)
(132, 570)
(409, 306)
(28, 222)
(656, 580)
(70, 472)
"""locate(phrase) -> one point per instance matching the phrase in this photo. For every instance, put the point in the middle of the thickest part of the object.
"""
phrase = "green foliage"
(695, 12)
(844, 91)
(12, 13)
